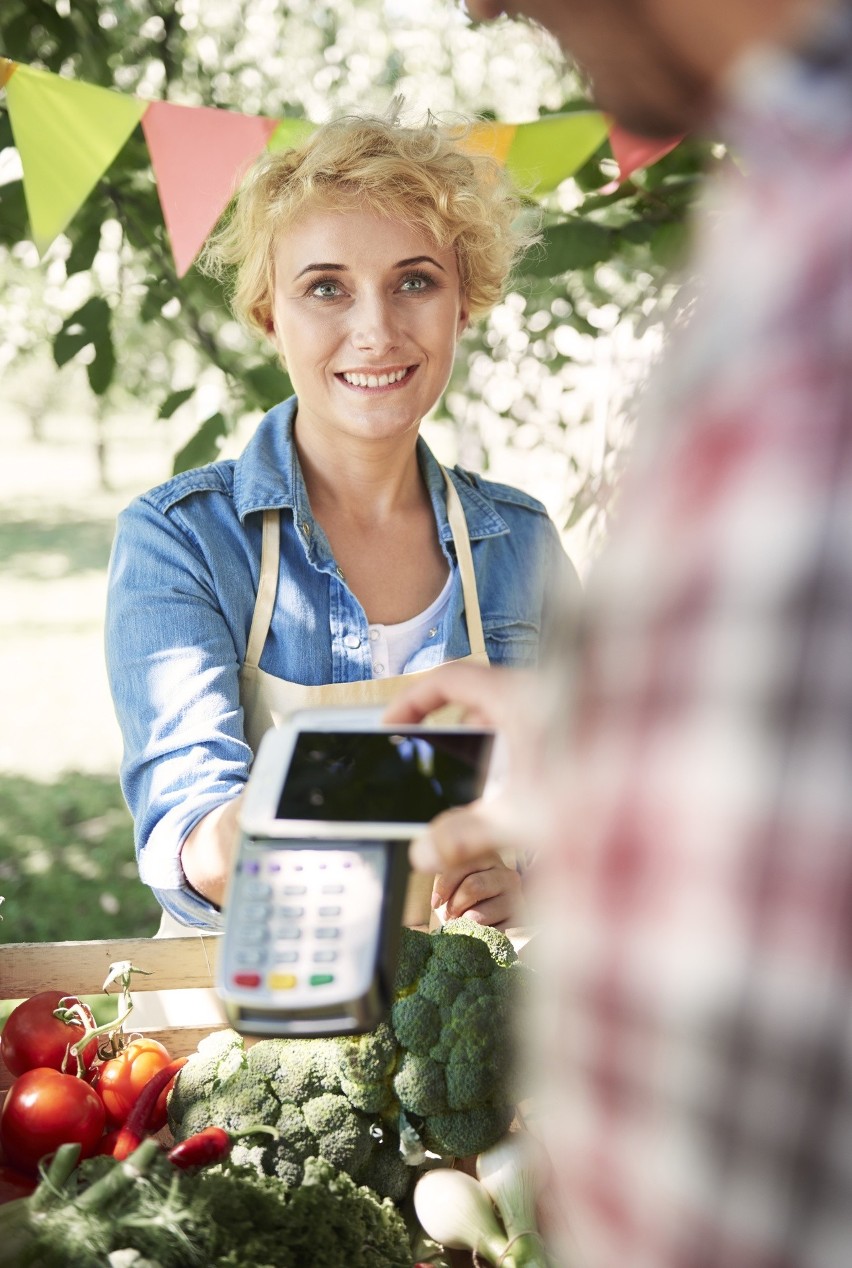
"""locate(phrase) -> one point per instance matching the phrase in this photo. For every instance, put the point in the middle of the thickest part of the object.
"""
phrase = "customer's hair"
(429, 177)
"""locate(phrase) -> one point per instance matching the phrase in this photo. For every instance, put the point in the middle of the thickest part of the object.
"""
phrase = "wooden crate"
(81, 967)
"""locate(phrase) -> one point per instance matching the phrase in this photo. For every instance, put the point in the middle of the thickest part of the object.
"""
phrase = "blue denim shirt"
(182, 586)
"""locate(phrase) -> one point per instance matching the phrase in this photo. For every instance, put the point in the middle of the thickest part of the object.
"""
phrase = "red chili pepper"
(138, 1120)
(211, 1145)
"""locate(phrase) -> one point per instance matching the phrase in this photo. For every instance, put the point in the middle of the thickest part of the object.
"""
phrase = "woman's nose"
(375, 326)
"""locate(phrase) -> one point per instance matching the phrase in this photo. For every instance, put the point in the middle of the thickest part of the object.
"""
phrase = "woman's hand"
(490, 893)
(208, 850)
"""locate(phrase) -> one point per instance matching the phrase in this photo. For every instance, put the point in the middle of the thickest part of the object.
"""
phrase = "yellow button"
(281, 981)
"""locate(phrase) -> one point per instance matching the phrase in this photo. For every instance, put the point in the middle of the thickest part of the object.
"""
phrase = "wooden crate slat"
(80, 967)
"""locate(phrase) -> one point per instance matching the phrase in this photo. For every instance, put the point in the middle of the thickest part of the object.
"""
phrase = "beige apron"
(267, 701)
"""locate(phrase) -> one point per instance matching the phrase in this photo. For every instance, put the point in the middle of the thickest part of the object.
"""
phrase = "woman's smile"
(369, 380)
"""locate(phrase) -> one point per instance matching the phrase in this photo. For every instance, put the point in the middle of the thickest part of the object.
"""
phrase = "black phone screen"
(383, 777)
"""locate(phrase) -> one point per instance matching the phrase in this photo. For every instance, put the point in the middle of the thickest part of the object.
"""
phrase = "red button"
(246, 979)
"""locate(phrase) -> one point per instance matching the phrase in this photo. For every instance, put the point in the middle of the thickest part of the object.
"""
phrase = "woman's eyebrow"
(420, 259)
(321, 268)
(342, 268)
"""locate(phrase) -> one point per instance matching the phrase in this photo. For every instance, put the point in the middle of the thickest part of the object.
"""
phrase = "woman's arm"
(173, 663)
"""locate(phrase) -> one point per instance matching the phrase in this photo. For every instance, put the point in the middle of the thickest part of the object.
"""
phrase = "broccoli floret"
(411, 961)
(343, 1137)
(417, 1023)
(297, 1068)
(439, 985)
(468, 1132)
(464, 959)
(420, 1085)
(499, 946)
(387, 1172)
(366, 1066)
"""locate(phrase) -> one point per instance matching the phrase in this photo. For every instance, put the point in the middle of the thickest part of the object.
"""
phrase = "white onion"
(455, 1211)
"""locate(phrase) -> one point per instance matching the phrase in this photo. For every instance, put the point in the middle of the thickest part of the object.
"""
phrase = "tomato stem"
(108, 1028)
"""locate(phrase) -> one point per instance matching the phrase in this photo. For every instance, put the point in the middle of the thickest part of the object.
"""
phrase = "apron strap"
(267, 588)
(268, 582)
(461, 537)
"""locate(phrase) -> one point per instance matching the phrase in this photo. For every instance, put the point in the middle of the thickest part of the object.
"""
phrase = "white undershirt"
(392, 646)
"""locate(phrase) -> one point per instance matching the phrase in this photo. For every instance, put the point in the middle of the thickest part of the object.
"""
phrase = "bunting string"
(67, 133)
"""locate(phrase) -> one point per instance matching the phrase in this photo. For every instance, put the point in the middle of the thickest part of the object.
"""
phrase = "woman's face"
(367, 312)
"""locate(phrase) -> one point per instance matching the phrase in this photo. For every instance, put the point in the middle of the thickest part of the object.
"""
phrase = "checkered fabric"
(695, 1045)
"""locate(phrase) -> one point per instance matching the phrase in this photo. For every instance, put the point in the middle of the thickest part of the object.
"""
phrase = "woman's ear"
(464, 318)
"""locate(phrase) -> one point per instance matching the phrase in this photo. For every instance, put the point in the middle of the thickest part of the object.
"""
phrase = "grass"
(67, 868)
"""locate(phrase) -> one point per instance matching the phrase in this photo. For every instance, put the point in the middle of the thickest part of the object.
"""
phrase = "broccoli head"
(455, 1023)
(442, 1066)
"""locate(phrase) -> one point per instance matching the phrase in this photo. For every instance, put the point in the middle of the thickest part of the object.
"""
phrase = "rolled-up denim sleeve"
(173, 668)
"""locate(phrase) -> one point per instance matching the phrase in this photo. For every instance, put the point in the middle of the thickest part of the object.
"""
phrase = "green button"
(321, 979)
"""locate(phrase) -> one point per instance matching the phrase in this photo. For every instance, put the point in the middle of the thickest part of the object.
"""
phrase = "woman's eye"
(326, 290)
(416, 282)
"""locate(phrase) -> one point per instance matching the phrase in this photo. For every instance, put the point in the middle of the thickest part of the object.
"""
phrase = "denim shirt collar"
(268, 476)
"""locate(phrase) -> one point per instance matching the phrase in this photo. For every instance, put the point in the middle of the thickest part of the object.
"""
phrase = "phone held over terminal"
(314, 908)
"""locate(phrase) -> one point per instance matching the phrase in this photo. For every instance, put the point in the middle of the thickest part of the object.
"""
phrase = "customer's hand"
(464, 846)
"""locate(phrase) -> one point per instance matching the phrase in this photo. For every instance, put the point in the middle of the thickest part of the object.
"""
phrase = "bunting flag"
(546, 152)
(67, 134)
(199, 155)
(634, 152)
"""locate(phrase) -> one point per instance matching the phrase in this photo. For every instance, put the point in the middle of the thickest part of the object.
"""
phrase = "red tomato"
(120, 1080)
(32, 1037)
(14, 1184)
(45, 1109)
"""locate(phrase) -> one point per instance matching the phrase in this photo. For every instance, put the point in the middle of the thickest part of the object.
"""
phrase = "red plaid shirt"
(696, 1041)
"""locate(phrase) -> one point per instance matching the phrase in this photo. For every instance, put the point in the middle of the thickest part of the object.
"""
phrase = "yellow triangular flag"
(67, 133)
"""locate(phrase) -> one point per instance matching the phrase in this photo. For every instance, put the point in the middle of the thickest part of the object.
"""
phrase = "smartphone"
(314, 906)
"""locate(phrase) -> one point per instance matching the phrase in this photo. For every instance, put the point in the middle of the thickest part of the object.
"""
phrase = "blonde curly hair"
(421, 175)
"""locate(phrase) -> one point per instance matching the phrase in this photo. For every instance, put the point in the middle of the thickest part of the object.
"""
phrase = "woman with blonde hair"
(335, 558)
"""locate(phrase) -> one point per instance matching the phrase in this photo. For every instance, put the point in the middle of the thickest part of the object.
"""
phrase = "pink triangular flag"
(199, 155)
(632, 152)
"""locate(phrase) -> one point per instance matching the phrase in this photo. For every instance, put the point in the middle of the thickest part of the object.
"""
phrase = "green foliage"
(68, 869)
(214, 1218)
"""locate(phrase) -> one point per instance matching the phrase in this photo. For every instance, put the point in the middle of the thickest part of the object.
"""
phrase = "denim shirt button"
(351, 640)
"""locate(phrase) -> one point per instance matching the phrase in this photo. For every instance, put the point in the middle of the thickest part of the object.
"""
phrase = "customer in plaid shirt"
(696, 1048)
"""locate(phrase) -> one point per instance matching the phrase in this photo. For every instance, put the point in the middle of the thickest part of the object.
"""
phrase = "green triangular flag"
(289, 132)
(551, 149)
(67, 134)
